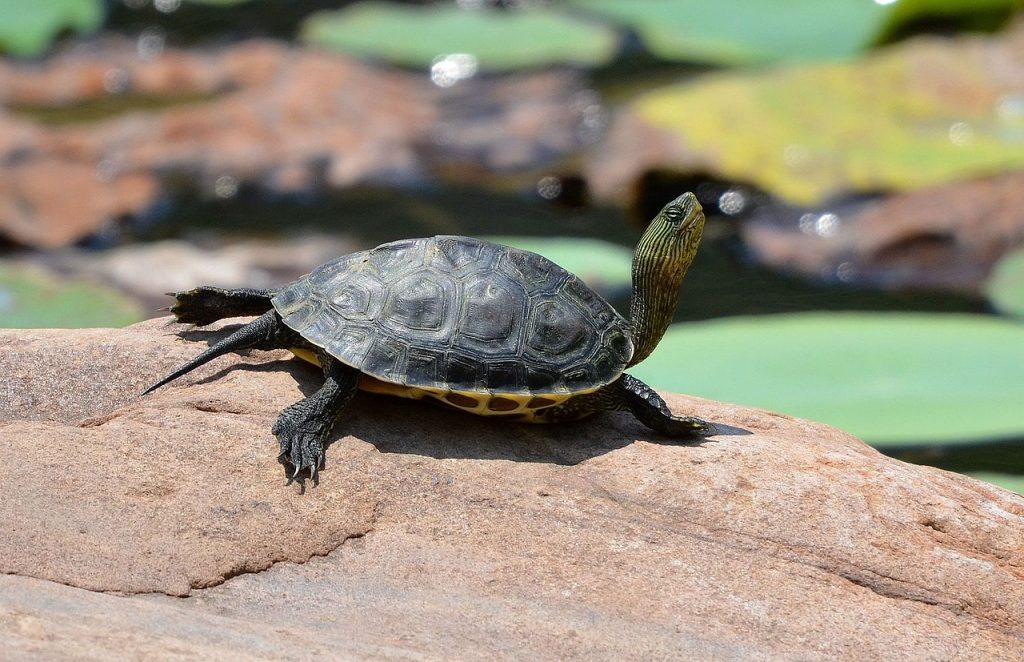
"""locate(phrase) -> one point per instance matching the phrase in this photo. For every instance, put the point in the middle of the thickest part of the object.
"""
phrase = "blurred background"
(861, 163)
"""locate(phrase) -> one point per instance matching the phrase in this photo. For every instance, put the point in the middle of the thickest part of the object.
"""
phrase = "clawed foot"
(199, 306)
(685, 426)
(302, 443)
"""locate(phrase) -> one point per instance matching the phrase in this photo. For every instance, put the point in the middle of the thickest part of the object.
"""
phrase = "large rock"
(433, 533)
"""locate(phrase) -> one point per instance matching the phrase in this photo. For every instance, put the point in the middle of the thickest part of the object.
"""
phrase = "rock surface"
(433, 534)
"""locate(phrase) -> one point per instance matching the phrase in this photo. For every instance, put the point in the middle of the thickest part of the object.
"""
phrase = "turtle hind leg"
(302, 428)
(203, 305)
(629, 394)
(265, 332)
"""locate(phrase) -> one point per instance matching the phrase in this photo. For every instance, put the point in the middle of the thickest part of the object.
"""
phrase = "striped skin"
(662, 257)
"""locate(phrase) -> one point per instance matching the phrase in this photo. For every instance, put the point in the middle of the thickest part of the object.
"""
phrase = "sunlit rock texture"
(432, 531)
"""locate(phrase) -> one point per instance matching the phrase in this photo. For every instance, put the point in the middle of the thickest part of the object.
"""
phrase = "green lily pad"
(1005, 287)
(33, 298)
(27, 27)
(1005, 481)
(602, 265)
(757, 31)
(899, 379)
(497, 40)
(914, 115)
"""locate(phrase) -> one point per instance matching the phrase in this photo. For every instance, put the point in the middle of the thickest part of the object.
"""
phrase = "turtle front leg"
(302, 428)
(629, 394)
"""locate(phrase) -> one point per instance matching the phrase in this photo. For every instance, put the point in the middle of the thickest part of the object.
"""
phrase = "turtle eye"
(673, 214)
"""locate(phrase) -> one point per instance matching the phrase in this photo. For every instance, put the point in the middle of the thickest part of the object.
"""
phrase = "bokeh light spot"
(151, 43)
(226, 186)
(961, 134)
(732, 202)
(549, 187)
(827, 225)
(167, 6)
(447, 70)
(115, 80)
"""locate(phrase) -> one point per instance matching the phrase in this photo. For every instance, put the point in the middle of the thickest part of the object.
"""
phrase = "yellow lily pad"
(921, 113)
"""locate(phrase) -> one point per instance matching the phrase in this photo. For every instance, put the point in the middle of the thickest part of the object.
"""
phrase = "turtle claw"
(302, 443)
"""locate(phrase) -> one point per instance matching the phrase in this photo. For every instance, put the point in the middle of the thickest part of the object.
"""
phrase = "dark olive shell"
(460, 314)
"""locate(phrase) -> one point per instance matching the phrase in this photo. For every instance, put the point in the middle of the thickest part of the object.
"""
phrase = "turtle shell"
(460, 314)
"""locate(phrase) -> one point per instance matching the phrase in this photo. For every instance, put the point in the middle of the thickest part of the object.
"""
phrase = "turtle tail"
(204, 305)
(265, 332)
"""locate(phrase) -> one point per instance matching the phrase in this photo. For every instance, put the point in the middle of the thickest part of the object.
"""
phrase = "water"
(720, 283)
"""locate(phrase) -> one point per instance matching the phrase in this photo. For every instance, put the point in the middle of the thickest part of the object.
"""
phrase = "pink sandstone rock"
(437, 534)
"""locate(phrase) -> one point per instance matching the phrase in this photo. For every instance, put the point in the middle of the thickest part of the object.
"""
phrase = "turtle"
(473, 325)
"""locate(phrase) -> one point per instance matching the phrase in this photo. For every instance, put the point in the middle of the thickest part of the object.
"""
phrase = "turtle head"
(662, 257)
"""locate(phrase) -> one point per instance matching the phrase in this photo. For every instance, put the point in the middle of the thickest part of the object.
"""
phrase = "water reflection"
(732, 202)
(593, 115)
(796, 157)
(447, 70)
(167, 6)
(961, 134)
(115, 80)
(225, 187)
(821, 225)
(549, 187)
(151, 44)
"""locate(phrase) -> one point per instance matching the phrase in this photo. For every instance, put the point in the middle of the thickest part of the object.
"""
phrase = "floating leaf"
(1005, 288)
(604, 266)
(27, 27)
(888, 378)
(496, 40)
(753, 31)
(33, 298)
(747, 31)
(918, 114)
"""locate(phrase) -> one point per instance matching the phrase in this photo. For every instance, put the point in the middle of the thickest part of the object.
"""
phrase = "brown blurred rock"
(444, 532)
(278, 119)
(49, 203)
(947, 236)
